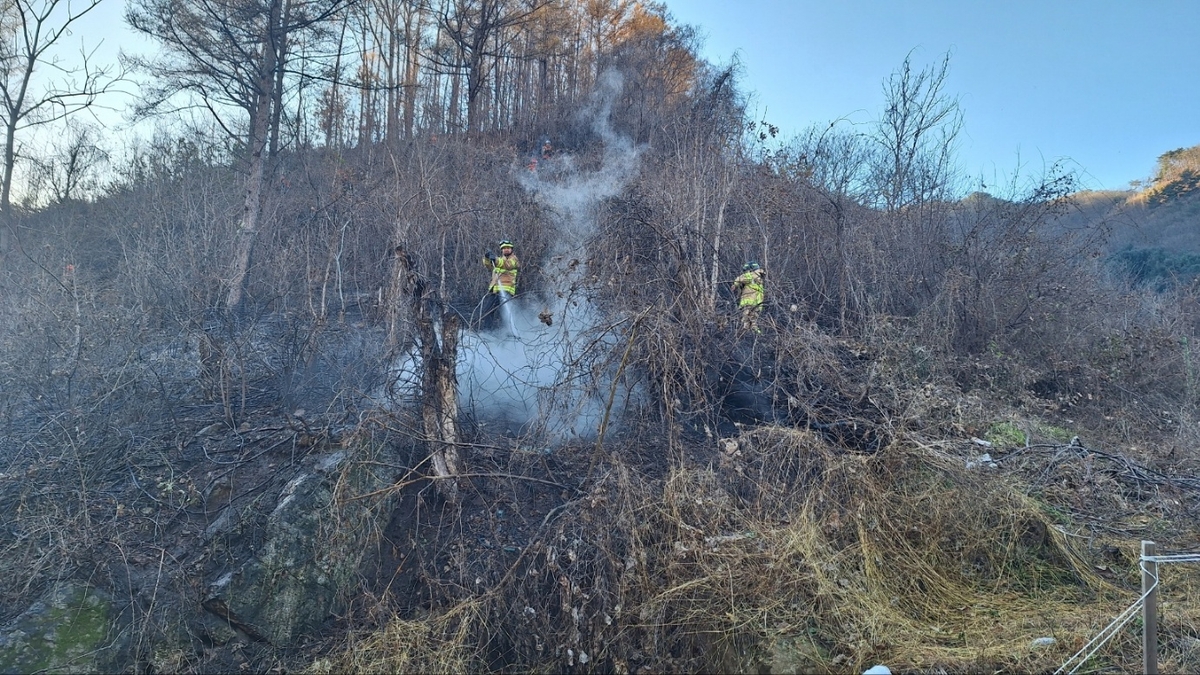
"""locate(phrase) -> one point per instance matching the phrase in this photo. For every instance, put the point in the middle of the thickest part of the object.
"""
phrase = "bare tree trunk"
(412, 32)
(405, 284)
(440, 405)
(251, 206)
(439, 381)
(281, 56)
(330, 122)
(259, 132)
(715, 274)
(452, 110)
(542, 111)
(366, 104)
(499, 87)
(392, 80)
(10, 161)
(5, 220)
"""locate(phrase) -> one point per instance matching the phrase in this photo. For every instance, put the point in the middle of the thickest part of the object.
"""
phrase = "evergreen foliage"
(1157, 267)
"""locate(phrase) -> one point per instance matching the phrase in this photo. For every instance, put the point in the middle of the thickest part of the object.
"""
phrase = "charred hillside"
(940, 438)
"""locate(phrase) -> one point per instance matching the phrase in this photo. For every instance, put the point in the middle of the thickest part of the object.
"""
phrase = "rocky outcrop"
(314, 541)
(272, 568)
(67, 631)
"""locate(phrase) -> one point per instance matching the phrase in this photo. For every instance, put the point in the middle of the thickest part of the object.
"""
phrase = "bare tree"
(476, 28)
(228, 56)
(395, 28)
(414, 22)
(916, 136)
(704, 148)
(438, 341)
(69, 169)
(29, 32)
(834, 162)
(332, 106)
(660, 65)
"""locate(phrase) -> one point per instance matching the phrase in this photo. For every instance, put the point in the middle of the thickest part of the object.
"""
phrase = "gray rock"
(66, 631)
(315, 539)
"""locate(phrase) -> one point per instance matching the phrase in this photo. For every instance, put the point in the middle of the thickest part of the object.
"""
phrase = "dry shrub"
(901, 557)
(786, 553)
(911, 559)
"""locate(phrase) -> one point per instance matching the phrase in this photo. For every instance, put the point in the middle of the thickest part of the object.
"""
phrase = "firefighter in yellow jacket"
(749, 289)
(503, 282)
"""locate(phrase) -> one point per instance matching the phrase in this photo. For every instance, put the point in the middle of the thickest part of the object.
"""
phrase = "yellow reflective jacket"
(504, 273)
(749, 288)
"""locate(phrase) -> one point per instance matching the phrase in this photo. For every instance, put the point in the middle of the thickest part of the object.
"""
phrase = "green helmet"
(750, 266)
(507, 243)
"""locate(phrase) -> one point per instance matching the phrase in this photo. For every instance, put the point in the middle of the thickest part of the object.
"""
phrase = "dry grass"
(439, 644)
(792, 555)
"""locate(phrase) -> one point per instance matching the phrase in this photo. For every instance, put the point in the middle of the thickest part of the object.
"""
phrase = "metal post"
(1149, 610)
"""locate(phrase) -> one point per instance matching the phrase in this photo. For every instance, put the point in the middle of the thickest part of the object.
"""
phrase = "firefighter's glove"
(491, 256)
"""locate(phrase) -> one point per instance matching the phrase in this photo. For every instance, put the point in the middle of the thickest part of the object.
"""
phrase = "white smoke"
(548, 372)
(573, 196)
(557, 381)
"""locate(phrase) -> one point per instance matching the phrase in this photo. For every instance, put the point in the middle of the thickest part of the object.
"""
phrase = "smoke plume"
(554, 382)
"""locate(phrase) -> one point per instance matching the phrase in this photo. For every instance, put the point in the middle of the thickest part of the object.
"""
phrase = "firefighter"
(748, 288)
(503, 269)
(503, 283)
(547, 150)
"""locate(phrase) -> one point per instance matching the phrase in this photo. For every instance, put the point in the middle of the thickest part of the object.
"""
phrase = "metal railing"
(1147, 603)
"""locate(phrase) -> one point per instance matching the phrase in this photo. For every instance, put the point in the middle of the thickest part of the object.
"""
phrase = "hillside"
(940, 442)
(1152, 231)
(1138, 223)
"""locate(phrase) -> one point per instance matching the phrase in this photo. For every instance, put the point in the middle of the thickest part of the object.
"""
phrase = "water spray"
(506, 310)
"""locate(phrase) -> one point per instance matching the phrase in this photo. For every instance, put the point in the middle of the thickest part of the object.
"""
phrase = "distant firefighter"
(751, 294)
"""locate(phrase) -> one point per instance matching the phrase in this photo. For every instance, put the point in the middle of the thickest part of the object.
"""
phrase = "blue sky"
(1105, 85)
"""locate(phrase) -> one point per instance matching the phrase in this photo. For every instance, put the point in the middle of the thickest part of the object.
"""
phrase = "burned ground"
(624, 559)
(838, 522)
